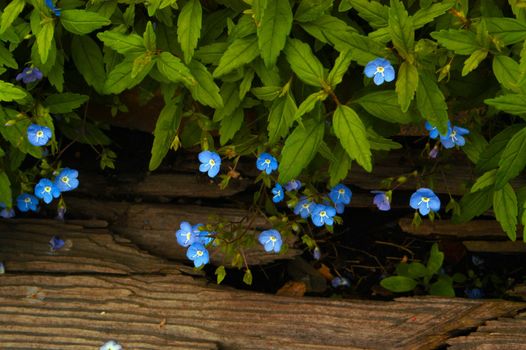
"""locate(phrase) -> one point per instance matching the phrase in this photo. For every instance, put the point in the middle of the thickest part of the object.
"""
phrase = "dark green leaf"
(7, 59)
(512, 160)
(281, 117)
(239, 53)
(490, 156)
(401, 29)
(310, 10)
(460, 41)
(88, 60)
(372, 11)
(206, 90)
(507, 30)
(230, 124)
(6, 196)
(122, 43)
(442, 288)
(65, 103)
(81, 21)
(398, 284)
(339, 168)
(474, 204)
(174, 70)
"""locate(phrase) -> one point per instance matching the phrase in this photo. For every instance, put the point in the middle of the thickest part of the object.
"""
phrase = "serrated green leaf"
(475, 145)
(398, 284)
(507, 72)
(510, 103)
(380, 143)
(229, 94)
(401, 29)
(350, 130)
(281, 117)
(406, 84)
(473, 61)
(431, 102)
(124, 44)
(166, 128)
(205, 91)
(120, 78)
(266, 93)
(341, 65)
(7, 59)
(6, 196)
(384, 105)
(10, 92)
(426, 15)
(512, 160)
(507, 30)
(506, 210)
(65, 103)
(373, 12)
(311, 10)
(149, 38)
(174, 69)
(189, 28)
(239, 53)
(303, 62)
(273, 30)
(490, 156)
(339, 168)
(436, 258)
(82, 22)
(487, 179)
(246, 84)
(460, 41)
(309, 103)
(474, 204)
(363, 49)
(11, 12)
(45, 39)
(89, 61)
(230, 124)
(300, 148)
(328, 29)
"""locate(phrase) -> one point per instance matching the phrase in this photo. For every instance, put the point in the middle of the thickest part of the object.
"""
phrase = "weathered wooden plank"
(505, 247)
(483, 229)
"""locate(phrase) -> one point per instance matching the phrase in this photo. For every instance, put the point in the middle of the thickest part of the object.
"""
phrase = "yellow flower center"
(27, 200)
(64, 179)
(380, 69)
(211, 162)
(426, 199)
(199, 253)
(306, 206)
(272, 239)
(323, 213)
(47, 189)
(267, 161)
(40, 133)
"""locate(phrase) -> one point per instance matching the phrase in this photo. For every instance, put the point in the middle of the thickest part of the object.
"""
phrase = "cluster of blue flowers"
(196, 240)
(454, 137)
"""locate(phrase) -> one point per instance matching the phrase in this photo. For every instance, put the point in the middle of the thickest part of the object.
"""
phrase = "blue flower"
(66, 180)
(46, 190)
(186, 235)
(340, 208)
(26, 202)
(316, 254)
(433, 131)
(266, 163)
(6, 213)
(56, 11)
(198, 254)
(56, 243)
(425, 201)
(2, 268)
(455, 137)
(210, 162)
(304, 208)
(381, 200)
(340, 194)
(293, 185)
(381, 69)
(323, 215)
(38, 135)
(111, 345)
(61, 211)
(340, 282)
(29, 75)
(434, 152)
(278, 194)
(271, 240)
(475, 293)
(202, 236)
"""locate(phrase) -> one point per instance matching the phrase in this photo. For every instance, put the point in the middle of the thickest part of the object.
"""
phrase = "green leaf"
(311, 10)
(506, 210)
(274, 29)
(487, 179)
(373, 12)
(406, 84)
(474, 204)
(401, 29)
(205, 91)
(246, 84)
(166, 129)
(384, 105)
(460, 41)
(220, 272)
(436, 258)
(426, 15)
(281, 117)
(239, 53)
(149, 38)
(398, 284)
(507, 30)
(174, 69)
(300, 148)
(65, 103)
(89, 61)
(120, 78)
(490, 156)
(247, 277)
(229, 94)
(142, 65)
(16, 134)
(363, 49)
(6, 196)
(10, 92)
(507, 72)
(231, 124)
(302, 61)
(416, 270)
(189, 27)
(7, 59)
(124, 44)
(510, 103)
(309, 103)
(379, 143)
(512, 160)
(266, 93)
(349, 128)
(341, 65)
(431, 102)
(442, 288)
(327, 29)
(473, 61)
(45, 39)
(82, 22)
(475, 145)
(339, 168)
(11, 12)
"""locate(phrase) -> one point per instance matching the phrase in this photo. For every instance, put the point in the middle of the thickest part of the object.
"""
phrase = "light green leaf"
(45, 39)
(507, 72)
(189, 27)
(142, 65)
(120, 78)
(302, 61)
(16, 134)
(349, 128)
(65, 103)
(339, 168)
(230, 124)
(507, 30)
(273, 30)
(341, 65)
(300, 148)
(384, 105)
(309, 103)
(230, 96)
(490, 156)
(82, 22)
(6, 196)
(124, 44)
(239, 53)
(166, 129)
(460, 41)
(281, 117)
(10, 92)
(174, 69)
(89, 61)
(406, 84)
(205, 91)
(380, 143)
(473, 61)
(7, 59)
(431, 102)
(506, 210)
(149, 38)
(426, 15)
(266, 93)
(436, 258)
(512, 160)
(401, 29)
(510, 103)
(11, 12)
(398, 284)
(487, 179)
(220, 273)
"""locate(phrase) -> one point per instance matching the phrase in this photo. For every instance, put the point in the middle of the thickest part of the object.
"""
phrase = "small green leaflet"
(45, 40)
(239, 53)
(82, 22)
(10, 92)
(506, 210)
(349, 128)
(189, 27)
(205, 91)
(510, 103)
(490, 156)
(220, 273)
(122, 43)
(266, 93)
(507, 72)
(401, 29)
(309, 103)
(507, 30)
(431, 102)
(174, 70)
(474, 204)
(406, 84)
(341, 65)
(246, 83)
(65, 103)
(230, 124)
(120, 78)
(7, 59)
(300, 148)
(436, 258)
(303, 62)
(339, 168)
(384, 105)
(11, 12)
(461, 41)
(5, 190)
(487, 179)
(281, 117)
(512, 160)
(166, 129)
(473, 61)
(398, 284)
(274, 29)
(89, 61)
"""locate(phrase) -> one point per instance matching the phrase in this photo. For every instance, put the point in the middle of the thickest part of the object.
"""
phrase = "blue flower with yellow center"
(29, 75)
(455, 137)
(266, 163)
(210, 162)
(433, 131)
(340, 194)
(186, 235)
(380, 70)
(27, 202)
(277, 193)
(38, 135)
(304, 208)
(46, 190)
(425, 200)
(323, 215)
(198, 254)
(66, 180)
(271, 240)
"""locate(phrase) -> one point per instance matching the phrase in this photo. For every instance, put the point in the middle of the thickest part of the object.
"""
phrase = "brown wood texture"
(63, 301)
(475, 229)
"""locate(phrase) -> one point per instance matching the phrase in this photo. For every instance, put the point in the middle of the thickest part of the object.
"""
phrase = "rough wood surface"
(504, 247)
(152, 306)
(483, 229)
